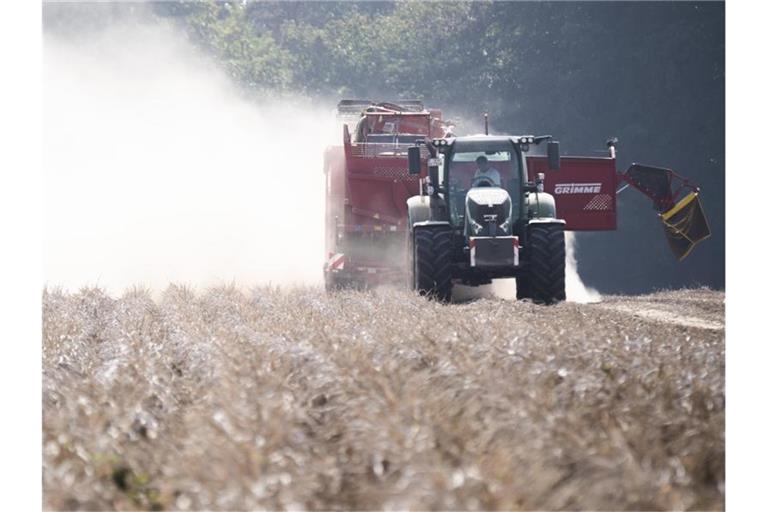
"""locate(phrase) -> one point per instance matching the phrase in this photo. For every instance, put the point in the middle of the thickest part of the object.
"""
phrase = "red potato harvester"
(408, 201)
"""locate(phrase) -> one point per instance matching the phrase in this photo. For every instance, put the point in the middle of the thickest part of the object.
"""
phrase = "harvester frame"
(391, 202)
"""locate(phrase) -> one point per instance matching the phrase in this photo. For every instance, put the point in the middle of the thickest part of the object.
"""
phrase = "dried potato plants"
(368, 400)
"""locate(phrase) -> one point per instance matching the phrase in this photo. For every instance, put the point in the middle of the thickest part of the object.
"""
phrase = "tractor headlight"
(506, 226)
(476, 227)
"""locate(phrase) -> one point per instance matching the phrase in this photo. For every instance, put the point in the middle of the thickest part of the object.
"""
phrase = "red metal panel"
(377, 188)
(584, 189)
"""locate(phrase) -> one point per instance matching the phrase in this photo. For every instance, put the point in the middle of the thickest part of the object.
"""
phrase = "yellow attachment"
(685, 225)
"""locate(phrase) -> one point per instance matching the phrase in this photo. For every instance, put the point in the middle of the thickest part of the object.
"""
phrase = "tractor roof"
(484, 143)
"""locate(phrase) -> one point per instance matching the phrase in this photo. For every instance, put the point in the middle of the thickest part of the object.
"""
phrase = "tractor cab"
(481, 180)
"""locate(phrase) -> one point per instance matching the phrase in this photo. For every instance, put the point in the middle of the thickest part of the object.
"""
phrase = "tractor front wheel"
(545, 279)
(432, 269)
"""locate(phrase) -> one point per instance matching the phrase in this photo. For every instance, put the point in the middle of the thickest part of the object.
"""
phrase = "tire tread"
(433, 267)
(545, 282)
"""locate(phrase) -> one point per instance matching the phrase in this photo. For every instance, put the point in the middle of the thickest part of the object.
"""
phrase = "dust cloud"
(575, 289)
(158, 170)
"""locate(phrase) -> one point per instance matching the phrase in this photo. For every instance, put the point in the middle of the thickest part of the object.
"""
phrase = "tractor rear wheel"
(545, 279)
(432, 268)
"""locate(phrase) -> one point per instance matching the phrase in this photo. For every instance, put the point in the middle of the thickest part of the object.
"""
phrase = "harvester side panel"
(367, 188)
(378, 185)
(584, 189)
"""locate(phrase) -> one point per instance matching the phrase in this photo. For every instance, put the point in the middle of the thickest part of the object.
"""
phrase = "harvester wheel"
(545, 282)
(334, 284)
(432, 262)
(331, 284)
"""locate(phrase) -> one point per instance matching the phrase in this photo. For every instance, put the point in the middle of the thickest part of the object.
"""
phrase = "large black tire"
(330, 283)
(432, 267)
(545, 279)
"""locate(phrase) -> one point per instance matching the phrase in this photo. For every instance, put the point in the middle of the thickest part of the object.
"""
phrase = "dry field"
(274, 399)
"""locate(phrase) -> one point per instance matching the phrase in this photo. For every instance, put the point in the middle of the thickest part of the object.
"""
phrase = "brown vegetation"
(294, 399)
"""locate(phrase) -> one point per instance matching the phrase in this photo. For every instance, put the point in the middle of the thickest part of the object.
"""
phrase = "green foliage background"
(651, 73)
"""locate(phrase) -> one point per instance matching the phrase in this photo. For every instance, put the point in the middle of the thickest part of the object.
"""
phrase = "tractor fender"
(546, 220)
(429, 223)
(540, 205)
(426, 210)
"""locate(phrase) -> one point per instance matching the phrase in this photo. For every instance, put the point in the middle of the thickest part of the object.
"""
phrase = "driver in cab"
(486, 172)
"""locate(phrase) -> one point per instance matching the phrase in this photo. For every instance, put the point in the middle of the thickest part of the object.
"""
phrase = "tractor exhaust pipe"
(485, 115)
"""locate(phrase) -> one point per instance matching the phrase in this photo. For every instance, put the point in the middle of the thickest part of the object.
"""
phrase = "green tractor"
(479, 217)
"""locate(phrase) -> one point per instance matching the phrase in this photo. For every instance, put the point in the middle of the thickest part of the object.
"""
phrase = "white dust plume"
(575, 289)
(157, 170)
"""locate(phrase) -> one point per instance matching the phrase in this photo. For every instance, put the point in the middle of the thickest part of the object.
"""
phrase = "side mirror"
(414, 160)
(553, 154)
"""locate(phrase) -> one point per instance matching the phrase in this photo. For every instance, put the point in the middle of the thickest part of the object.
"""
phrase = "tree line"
(650, 73)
